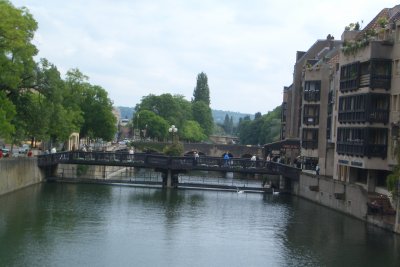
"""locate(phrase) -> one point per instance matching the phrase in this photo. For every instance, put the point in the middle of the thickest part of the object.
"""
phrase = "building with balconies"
(301, 100)
(368, 95)
(316, 128)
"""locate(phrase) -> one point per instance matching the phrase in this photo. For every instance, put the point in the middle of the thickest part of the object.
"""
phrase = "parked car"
(23, 149)
(6, 152)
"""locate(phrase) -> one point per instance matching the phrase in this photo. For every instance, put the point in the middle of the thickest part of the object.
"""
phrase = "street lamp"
(137, 131)
(173, 130)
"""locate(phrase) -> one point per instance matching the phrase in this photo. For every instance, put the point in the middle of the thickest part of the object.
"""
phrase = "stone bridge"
(218, 150)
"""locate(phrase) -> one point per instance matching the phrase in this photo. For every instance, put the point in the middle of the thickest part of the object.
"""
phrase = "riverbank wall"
(350, 199)
(17, 173)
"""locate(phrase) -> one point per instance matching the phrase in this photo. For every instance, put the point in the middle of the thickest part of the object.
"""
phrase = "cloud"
(134, 48)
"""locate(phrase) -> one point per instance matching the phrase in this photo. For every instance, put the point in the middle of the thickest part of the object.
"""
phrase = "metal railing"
(144, 160)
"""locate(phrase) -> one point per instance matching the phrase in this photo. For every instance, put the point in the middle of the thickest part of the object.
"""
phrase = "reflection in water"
(95, 225)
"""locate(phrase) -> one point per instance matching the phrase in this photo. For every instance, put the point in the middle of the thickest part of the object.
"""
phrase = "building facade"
(344, 103)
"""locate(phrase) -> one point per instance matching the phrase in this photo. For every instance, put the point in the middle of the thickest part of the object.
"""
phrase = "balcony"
(380, 81)
(349, 84)
(357, 148)
(363, 108)
(312, 96)
(363, 116)
(309, 144)
(373, 73)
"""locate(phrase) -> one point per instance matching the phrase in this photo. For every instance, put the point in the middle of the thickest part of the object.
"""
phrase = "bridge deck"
(162, 162)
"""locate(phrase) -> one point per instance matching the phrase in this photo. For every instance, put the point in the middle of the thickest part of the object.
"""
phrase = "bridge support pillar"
(169, 179)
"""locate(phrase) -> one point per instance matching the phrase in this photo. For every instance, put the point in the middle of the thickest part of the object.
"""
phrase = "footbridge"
(169, 166)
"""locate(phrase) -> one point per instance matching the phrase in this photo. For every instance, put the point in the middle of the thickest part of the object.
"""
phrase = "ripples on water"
(94, 225)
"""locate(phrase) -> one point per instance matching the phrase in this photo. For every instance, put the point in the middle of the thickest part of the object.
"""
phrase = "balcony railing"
(358, 148)
(349, 84)
(352, 116)
(374, 116)
(312, 96)
(381, 81)
(309, 144)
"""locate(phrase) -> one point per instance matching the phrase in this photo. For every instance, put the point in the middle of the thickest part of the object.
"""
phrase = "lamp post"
(173, 130)
(137, 131)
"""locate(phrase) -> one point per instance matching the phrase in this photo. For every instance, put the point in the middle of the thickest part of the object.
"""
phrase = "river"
(102, 225)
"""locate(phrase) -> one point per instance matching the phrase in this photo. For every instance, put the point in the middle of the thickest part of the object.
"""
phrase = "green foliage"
(99, 120)
(353, 27)
(192, 131)
(157, 127)
(262, 130)
(7, 113)
(174, 109)
(17, 28)
(81, 170)
(175, 149)
(35, 101)
(227, 126)
(382, 21)
(202, 91)
(202, 114)
(352, 47)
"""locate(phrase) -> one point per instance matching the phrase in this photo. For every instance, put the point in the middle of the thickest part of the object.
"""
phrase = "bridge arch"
(191, 153)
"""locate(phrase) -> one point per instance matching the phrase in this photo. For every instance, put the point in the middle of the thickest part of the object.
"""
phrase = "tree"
(201, 104)
(172, 108)
(156, 126)
(7, 113)
(202, 114)
(201, 91)
(192, 131)
(99, 120)
(262, 130)
(228, 124)
(17, 28)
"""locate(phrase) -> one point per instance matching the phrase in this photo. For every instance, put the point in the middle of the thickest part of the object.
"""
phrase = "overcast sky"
(135, 48)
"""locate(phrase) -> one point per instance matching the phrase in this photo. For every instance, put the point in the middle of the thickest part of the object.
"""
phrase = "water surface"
(101, 225)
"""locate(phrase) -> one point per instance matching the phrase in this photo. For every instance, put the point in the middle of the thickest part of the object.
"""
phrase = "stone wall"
(347, 198)
(350, 199)
(17, 173)
(93, 171)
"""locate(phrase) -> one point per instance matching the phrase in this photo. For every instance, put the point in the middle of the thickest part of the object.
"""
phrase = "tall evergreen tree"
(202, 91)
(201, 104)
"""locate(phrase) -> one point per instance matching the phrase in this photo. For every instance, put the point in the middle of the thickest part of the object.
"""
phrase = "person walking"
(196, 158)
(226, 160)
(253, 161)
(317, 169)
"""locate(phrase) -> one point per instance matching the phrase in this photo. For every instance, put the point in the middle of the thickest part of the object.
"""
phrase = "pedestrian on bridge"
(226, 160)
(196, 158)
(253, 161)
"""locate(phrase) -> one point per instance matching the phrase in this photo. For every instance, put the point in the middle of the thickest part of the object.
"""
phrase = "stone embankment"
(350, 199)
(17, 173)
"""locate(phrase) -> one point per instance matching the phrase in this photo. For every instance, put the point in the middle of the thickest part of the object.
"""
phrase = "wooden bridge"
(167, 165)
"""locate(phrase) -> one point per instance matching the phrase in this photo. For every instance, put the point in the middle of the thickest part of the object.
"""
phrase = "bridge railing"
(163, 161)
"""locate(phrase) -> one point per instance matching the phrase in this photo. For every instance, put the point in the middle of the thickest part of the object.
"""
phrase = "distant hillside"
(218, 115)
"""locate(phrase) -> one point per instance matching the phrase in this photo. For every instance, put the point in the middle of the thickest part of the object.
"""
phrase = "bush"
(175, 149)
